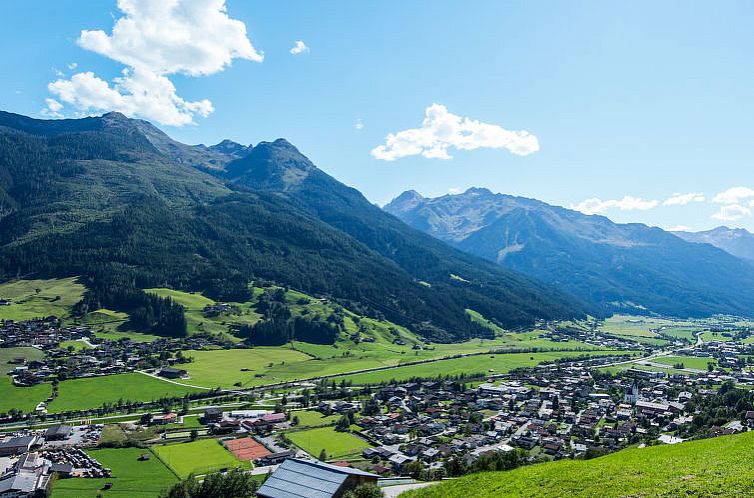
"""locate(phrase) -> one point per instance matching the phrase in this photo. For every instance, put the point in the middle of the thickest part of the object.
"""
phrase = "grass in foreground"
(198, 457)
(132, 478)
(336, 444)
(719, 467)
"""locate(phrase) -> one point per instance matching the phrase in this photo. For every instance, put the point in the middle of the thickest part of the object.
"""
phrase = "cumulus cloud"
(736, 203)
(683, 199)
(734, 195)
(155, 39)
(595, 205)
(442, 130)
(732, 212)
(678, 228)
(299, 48)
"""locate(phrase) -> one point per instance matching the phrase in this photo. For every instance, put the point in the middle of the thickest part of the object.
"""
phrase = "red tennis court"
(246, 448)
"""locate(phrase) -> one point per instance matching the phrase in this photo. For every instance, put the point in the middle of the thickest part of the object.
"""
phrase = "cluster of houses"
(41, 333)
(551, 411)
(98, 357)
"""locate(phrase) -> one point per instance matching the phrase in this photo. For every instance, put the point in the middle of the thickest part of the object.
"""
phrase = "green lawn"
(21, 398)
(688, 361)
(92, 392)
(478, 364)
(718, 467)
(337, 444)
(309, 418)
(223, 367)
(198, 457)
(132, 478)
(55, 297)
(76, 345)
(715, 336)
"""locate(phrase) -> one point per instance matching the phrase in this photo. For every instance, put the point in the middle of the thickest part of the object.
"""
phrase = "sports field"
(198, 457)
(336, 444)
(132, 477)
(688, 361)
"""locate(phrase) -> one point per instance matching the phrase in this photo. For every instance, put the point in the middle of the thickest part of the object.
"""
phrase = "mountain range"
(618, 267)
(736, 241)
(120, 203)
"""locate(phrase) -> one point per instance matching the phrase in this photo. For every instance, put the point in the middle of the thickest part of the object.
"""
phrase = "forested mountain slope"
(118, 201)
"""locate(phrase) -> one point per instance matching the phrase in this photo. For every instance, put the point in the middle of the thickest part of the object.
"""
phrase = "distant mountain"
(736, 241)
(118, 201)
(618, 266)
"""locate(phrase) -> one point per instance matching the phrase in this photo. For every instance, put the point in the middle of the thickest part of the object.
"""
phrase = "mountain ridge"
(736, 241)
(120, 202)
(621, 267)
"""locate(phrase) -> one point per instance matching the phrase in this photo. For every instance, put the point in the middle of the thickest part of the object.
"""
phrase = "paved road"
(394, 491)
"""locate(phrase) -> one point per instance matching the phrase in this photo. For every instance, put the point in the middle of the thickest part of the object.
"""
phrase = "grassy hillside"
(39, 298)
(720, 467)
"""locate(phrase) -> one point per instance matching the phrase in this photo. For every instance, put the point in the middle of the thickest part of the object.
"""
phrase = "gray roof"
(24, 481)
(58, 430)
(297, 478)
(18, 442)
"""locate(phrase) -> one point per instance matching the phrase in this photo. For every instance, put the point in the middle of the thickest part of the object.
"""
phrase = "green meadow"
(469, 365)
(92, 392)
(132, 477)
(336, 444)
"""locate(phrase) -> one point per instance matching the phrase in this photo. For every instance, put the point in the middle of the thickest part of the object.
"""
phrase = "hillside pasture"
(719, 467)
(40, 298)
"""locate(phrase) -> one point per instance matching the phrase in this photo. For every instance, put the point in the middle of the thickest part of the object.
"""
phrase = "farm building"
(172, 373)
(58, 433)
(296, 478)
(17, 445)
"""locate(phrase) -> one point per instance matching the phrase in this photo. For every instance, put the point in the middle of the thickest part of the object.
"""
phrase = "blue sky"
(629, 103)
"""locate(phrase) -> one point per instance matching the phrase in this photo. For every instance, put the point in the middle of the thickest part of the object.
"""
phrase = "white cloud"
(53, 109)
(683, 199)
(733, 195)
(155, 39)
(678, 228)
(455, 190)
(596, 205)
(732, 212)
(299, 48)
(442, 130)
(358, 125)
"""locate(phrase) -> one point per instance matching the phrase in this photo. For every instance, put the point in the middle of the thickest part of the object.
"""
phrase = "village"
(421, 429)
